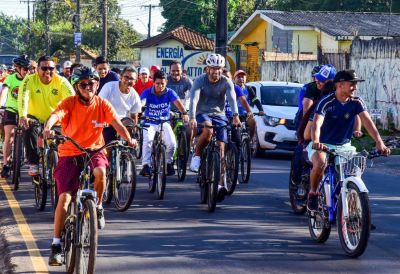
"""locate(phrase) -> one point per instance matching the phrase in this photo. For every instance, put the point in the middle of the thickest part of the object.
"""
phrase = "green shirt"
(12, 82)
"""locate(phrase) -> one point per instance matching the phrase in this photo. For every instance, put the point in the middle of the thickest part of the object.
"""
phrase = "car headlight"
(273, 121)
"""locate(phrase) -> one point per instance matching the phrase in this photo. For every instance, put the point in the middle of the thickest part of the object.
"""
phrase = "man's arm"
(307, 103)
(3, 92)
(255, 100)
(316, 131)
(49, 124)
(245, 104)
(23, 99)
(373, 132)
(182, 109)
(194, 99)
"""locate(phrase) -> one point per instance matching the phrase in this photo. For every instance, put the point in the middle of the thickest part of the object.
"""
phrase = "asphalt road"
(254, 231)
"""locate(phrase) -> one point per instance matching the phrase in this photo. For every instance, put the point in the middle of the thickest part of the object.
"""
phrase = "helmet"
(22, 61)
(82, 73)
(215, 60)
(315, 70)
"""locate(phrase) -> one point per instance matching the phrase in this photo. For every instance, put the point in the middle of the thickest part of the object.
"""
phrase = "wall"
(290, 71)
(308, 41)
(328, 43)
(378, 62)
(258, 35)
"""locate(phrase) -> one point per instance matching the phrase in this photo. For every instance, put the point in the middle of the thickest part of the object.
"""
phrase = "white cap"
(144, 70)
(67, 64)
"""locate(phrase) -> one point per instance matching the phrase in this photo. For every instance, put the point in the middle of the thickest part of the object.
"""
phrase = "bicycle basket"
(354, 166)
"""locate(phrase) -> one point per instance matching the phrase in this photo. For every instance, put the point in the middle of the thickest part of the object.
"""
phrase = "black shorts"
(10, 118)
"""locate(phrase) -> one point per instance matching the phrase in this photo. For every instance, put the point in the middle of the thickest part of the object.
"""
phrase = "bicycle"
(79, 237)
(182, 153)
(158, 164)
(121, 174)
(343, 196)
(17, 155)
(232, 161)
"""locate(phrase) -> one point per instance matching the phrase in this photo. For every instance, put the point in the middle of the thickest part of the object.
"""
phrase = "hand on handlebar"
(236, 121)
(185, 118)
(383, 149)
(319, 146)
(24, 121)
(193, 123)
(48, 133)
(132, 143)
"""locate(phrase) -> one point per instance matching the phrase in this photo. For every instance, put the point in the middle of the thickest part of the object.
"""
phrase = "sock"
(56, 241)
(100, 206)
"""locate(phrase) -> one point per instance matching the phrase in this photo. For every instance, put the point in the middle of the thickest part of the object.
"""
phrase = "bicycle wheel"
(298, 191)
(124, 190)
(52, 159)
(40, 192)
(231, 167)
(202, 181)
(139, 139)
(160, 173)
(68, 240)
(213, 176)
(108, 192)
(245, 161)
(182, 155)
(354, 231)
(87, 250)
(152, 177)
(17, 160)
(318, 222)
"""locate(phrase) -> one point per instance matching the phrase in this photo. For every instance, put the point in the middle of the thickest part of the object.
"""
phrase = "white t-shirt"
(123, 103)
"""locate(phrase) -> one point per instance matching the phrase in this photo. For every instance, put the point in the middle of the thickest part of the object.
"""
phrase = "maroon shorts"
(69, 168)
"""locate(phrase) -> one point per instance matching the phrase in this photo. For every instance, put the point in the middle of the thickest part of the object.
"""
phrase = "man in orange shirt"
(144, 81)
(82, 118)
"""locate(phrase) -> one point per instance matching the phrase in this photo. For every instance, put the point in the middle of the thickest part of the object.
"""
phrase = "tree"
(13, 33)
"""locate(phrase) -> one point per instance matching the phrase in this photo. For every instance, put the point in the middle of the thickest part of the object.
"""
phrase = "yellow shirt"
(40, 100)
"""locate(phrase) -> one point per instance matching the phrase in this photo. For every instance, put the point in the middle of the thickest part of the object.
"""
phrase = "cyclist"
(3, 73)
(33, 67)
(106, 75)
(154, 69)
(66, 69)
(158, 101)
(39, 94)
(333, 126)
(207, 107)
(82, 118)
(144, 81)
(10, 90)
(123, 98)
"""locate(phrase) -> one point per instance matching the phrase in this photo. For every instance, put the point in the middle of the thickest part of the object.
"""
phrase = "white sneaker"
(195, 163)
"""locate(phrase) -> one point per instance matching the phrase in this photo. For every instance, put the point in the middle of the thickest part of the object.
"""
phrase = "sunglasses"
(47, 68)
(129, 78)
(85, 85)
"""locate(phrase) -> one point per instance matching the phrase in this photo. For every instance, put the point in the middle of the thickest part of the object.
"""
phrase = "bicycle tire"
(202, 181)
(40, 192)
(160, 175)
(245, 161)
(319, 225)
(128, 183)
(153, 166)
(17, 160)
(354, 198)
(182, 155)
(108, 192)
(297, 203)
(68, 240)
(52, 160)
(87, 249)
(231, 167)
(213, 175)
(139, 138)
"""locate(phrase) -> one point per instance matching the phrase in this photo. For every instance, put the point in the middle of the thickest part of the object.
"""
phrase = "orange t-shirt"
(83, 123)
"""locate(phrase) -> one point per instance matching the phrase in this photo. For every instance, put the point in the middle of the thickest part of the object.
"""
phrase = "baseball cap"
(67, 64)
(144, 70)
(239, 72)
(348, 75)
(155, 68)
(327, 72)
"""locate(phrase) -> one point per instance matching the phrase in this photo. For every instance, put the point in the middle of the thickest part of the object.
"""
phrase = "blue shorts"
(216, 120)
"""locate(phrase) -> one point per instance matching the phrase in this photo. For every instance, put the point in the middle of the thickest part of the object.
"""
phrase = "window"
(279, 95)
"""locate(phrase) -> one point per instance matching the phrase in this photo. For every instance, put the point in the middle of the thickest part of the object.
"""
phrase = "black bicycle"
(232, 160)
(121, 175)
(182, 153)
(17, 155)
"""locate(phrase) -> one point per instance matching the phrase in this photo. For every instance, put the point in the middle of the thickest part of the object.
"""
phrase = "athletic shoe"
(312, 203)
(145, 171)
(170, 169)
(55, 258)
(101, 221)
(195, 163)
(5, 172)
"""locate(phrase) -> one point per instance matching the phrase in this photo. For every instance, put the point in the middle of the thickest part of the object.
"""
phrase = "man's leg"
(148, 137)
(204, 138)
(100, 182)
(170, 143)
(318, 160)
(30, 140)
(252, 126)
(8, 140)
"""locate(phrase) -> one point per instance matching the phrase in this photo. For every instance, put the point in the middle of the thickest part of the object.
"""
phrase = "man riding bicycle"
(158, 101)
(82, 118)
(10, 120)
(334, 120)
(39, 94)
(207, 107)
(123, 98)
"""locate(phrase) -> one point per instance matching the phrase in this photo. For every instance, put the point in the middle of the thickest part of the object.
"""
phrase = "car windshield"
(279, 95)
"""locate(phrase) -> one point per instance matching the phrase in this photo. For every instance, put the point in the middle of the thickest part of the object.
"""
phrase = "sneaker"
(101, 221)
(33, 170)
(222, 192)
(312, 203)
(5, 172)
(145, 171)
(170, 169)
(195, 163)
(55, 258)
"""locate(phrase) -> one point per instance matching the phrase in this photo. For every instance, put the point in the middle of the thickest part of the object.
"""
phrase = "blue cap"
(327, 72)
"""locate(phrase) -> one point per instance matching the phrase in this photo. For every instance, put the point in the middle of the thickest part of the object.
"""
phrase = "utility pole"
(150, 7)
(29, 36)
(78, 30)
(221, 37)
(46, 35)
(104, 43)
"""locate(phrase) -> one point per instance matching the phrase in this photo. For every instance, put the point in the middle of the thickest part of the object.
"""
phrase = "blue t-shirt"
(158, 107)
(111, 76)
(228, 110)
(338, 124)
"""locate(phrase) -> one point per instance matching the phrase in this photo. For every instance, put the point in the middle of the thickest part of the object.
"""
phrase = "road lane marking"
(39, 265)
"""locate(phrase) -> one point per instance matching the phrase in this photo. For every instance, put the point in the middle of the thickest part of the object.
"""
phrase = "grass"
(367, 143)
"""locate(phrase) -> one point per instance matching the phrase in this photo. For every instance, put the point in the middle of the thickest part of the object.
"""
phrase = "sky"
(131, 10)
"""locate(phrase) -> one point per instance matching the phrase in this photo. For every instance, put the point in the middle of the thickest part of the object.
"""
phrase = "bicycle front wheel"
(355, 229)
(182, 155)
(40, 192)
(69, 236)
(108, 192)
(160, 172)
(52, 159)
(124, 189)
(245, 161)
(17, 160)
(231, 167)
(213, 177)
(87, 249)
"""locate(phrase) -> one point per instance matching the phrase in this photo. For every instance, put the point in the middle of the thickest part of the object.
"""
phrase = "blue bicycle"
(343, 196)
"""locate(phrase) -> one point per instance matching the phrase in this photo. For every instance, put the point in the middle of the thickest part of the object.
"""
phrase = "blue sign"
(175, 53)
(77, 38)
